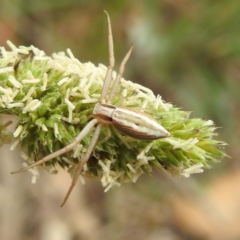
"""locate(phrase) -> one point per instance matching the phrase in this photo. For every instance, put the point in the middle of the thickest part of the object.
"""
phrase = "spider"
(130, 122)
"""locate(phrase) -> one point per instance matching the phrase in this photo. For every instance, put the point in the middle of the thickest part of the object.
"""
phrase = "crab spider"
(130, 122)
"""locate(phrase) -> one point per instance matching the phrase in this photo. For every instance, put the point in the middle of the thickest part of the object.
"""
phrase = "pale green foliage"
(54, 97)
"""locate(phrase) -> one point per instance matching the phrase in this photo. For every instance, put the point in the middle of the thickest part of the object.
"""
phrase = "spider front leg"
(118, 78)
(108, 77)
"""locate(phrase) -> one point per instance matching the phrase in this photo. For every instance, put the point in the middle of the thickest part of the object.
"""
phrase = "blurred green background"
(186, 51)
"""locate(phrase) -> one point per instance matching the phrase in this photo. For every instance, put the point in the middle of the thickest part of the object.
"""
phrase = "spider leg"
(109, 134)
(108, 77)
(83, 161)
(68, 148)
(120, 73)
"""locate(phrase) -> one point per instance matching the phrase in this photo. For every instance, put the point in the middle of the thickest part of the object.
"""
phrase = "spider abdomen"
(138, 125)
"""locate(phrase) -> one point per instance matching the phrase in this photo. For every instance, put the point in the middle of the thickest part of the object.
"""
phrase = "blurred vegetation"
(187, 51)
